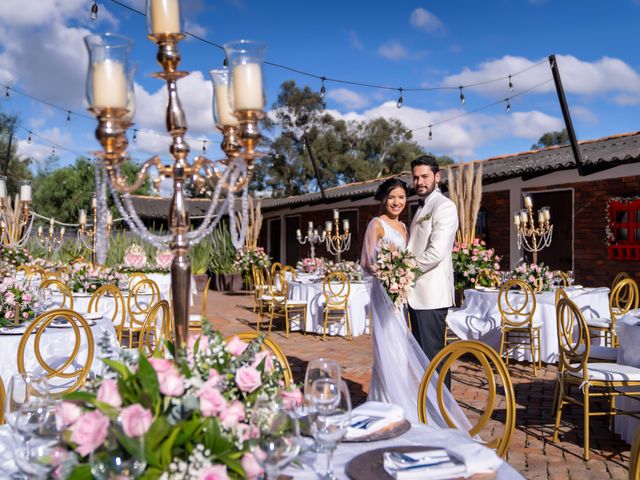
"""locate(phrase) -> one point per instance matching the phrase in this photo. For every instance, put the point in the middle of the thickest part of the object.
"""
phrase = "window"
(623, 228)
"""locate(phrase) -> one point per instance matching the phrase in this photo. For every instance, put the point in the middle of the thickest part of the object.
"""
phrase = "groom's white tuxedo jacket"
(432, 233)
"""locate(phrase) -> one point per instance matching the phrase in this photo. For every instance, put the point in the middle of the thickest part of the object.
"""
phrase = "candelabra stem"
(94, 238)
(313, 249)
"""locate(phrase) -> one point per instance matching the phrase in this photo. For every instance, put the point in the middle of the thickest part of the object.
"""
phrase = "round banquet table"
(55, 345)
(311, 293)
(479, 317)
(628, 333)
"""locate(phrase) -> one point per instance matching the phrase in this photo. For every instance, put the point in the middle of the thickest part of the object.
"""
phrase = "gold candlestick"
(337, 242)
(531, 237)
(50, 241)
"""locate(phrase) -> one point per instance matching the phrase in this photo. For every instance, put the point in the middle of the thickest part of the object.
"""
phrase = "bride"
(398, 360)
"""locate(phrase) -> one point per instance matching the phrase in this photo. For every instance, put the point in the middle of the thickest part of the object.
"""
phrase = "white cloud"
(424, 20)
(584, 114)
(393, 50)
(354, 40)
(348, 98)
(39, 149)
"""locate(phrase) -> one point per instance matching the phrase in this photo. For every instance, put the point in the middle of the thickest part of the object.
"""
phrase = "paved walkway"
(531, 451)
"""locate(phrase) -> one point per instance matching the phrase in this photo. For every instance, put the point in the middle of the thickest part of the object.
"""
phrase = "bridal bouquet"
(165, 419)
(397, 271)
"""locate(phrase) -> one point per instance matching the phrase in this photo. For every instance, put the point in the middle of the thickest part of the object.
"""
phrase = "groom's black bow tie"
(421, 202)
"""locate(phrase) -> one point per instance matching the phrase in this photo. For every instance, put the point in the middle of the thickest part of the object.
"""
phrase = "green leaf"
(81, 397)
(119, 367)
(81, 472)
(188, 431)
(149, 382)
(232, 462)
(158, 431)
(167, 447)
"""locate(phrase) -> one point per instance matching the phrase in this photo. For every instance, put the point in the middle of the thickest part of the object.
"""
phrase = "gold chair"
(274, 348)
(135, 278)
(79, 371)
(275, 268)
(259, 289)
(195, 321)
(151, 337)
(575, 371)
(489, 361)
(560, 278)
(143, 296)
(281, 306)
(63, 288)
(518, 324)
(634, 460)
(118, 318)
(618, 277)
(336, 288)
(623, 297)
(290, 270)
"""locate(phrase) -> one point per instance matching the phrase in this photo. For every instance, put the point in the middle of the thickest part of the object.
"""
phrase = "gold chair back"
(279, 287)
(135, 278)
(634, 460)
(624, 297)
(142, 297)
(336, 288)
(573, 348)
(491, 364)
(559, 278)
(152, 336)
(111, 292)
(275, 268)
(205, 297)
(618, 277)
(513, 292)
(27, 270)
(72, 371)
(63, 288)
(291, 270)
(560, 293)
(269, 344)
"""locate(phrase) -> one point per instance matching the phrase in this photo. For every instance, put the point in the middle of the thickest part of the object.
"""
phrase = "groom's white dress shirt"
(432, 233)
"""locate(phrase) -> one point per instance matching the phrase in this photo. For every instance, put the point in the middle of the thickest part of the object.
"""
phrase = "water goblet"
(316, 369)
(332, 402)
(571, 276)
(112, 461)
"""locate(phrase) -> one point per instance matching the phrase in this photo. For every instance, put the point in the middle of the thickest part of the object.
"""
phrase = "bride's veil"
(399, 361)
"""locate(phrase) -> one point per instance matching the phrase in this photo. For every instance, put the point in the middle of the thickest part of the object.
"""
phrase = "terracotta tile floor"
(531, 451)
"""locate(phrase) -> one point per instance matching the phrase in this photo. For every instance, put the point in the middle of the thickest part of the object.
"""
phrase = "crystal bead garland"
(102, 241)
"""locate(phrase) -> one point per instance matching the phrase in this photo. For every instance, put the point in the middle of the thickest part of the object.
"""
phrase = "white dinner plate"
(91, 315)
(66, 324)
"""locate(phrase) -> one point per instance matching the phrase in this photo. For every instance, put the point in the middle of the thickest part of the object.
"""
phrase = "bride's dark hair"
(385, 188)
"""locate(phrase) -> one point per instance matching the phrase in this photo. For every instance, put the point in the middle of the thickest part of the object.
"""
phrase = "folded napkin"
(371, 417)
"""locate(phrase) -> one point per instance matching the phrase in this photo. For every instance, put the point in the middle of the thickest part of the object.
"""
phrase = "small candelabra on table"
(337, 242)
(51, 241)
(531, 237)
(311, 238)
(16, 221)
(87, 235)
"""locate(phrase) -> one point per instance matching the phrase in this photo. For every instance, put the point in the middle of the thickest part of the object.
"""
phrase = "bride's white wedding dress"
(398, 360)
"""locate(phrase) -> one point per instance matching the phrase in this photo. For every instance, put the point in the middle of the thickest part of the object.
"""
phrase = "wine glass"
(23, 389)
(571, 276)
(316, 369)
(332, 402)
(45, 295)
(35, 459)
(277, 443)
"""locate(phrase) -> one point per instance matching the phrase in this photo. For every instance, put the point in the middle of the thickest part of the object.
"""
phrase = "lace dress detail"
(391, 235)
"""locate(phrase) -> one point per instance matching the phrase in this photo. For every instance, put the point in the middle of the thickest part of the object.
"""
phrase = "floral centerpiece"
(84, 278)
(19, 302)
(135, 257)
(538, 276)
(249, 257)
(352, 269)
(15, 256)
(397, 271)
(192, 414)
(46, 264)
(311, 265)
(164, 258)
(470, 260)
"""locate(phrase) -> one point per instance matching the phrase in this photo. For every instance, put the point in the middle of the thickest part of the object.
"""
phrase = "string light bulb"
(508, 105)
(400, 99)
(430, 133)
(135, 135)
(204, 146)
(225, 62)
(53, 151)
(94, 10)
(510, 84)
(7, 93)
(29, 138)
(461, 96)
(68, 117)
(323, 88)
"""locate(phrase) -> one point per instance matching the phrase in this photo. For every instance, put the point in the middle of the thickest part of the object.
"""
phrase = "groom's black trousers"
(428, 328)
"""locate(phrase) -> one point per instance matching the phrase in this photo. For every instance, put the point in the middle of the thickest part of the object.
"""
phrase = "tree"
(12, 166)
(551, 138)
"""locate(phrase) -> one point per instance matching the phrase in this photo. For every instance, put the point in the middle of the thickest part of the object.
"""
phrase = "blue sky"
(400, 44)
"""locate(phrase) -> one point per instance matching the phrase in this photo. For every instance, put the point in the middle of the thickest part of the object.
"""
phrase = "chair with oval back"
(273, 347)
(195, 320)
(135, 278)
(579, 380)
(281, 306)
(63, 288)
(623, 297)
(336, 288)
(259, 289)
(291, 271)
(143, 295)
(152, 335)
(70, 371)
(107, 294)
(559, 278)
(517, 306)
(27, 270)
(490, 361)
(275, 268)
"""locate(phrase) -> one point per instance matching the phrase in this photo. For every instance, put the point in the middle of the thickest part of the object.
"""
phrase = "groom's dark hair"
(429, 161)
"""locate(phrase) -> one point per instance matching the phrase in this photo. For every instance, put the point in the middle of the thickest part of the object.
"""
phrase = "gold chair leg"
(303, 321)
(346, 316)
(286, 321)
(556, 428)
(502, 339)
(271, 315)
(324, 326)
(533, 352)
(586, 422)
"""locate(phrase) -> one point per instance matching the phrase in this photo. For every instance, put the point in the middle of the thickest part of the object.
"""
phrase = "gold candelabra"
(238, 106)
(89, 235)
(51, 241)
(531, 237)
(337, 242)
(16, 219)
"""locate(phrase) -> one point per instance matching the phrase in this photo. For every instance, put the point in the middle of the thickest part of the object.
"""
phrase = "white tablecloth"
(628, 332)
(419, 435)
(479, 317)
(312, 294)
(55, 343)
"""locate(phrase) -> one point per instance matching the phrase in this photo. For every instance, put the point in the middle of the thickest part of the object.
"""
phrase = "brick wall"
(496, 206)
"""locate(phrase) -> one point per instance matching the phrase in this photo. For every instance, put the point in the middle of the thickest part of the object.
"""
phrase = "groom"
(433, 231)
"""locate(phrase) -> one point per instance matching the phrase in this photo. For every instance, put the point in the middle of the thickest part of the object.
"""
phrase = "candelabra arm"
(119, 181)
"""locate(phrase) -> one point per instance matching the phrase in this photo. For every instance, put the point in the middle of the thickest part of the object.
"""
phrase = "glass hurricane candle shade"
(163, 17)
(109, 78)
(246, 90)
(25, 190)
(222, 112)
(3, 186)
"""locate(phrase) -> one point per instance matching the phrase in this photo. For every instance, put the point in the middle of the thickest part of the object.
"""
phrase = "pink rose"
(268, 360)
(203, 343)
(248, 379)
(233, 414)
(89, 432)
(291, 399)
(214, 380)
(251, 466)
(136, 420)
(211, 401)
(215, 472)
(236, 347)
(67, 413)
(108, 393)
(170, 380)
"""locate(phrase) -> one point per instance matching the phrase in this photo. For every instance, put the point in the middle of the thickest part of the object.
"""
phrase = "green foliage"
(70, 250)
(118, 244)
(223, 253)
(200, 256)
(12, 166)
(551, 138)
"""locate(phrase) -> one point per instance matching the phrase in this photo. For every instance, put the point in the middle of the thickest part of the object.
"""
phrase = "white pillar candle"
(165, 16)
(345, 224)
(51, 230)
(328, 226)
(315, 232)
(336, 214)
(247, 87)
(82, 218)
(540, 217)
(516, 219)
(51, 222)
(25, 193)
(40, 231)
(225, 114)
(62, 230)
(547, 214)
(109, 218)
(310, 225)
(298, 233)
(94, 202)
(527, 201)
(523, 216)
(109, 84)
(3, 188)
